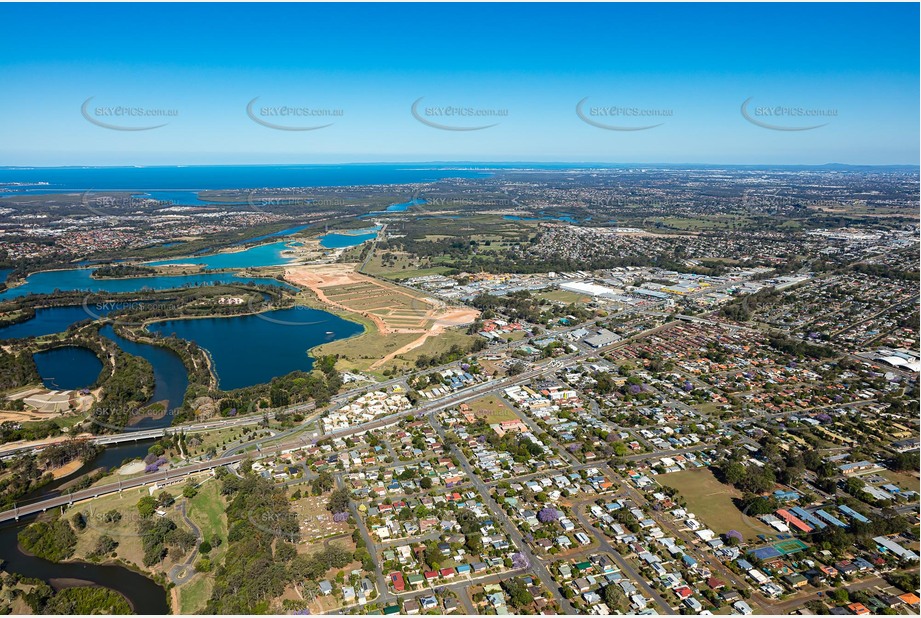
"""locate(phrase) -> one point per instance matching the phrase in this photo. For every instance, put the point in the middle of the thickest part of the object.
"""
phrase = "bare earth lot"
(392, 309)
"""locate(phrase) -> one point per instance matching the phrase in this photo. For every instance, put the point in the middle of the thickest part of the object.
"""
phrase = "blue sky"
(688, 67)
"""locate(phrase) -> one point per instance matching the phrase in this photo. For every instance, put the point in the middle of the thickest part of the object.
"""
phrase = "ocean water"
(181, 182)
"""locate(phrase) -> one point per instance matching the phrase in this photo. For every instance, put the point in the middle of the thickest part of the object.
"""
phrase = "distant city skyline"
(683, 84)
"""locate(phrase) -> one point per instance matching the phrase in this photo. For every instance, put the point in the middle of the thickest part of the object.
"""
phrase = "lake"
(47, 320)
(351, 238)
(50, 320)
(46, 282)
(263, 255)
(170, 376)
(562, 217)
(67, 368)
(280, 233)
(401, 207)
(253, 349)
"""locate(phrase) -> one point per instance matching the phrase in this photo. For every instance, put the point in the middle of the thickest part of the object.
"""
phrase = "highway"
(95, 492)
(232, 458)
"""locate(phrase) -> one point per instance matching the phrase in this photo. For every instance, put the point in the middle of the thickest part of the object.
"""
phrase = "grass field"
(125, 531)
(564, 297)
(902, 479)
(712, 502)
(492, 409)
(316, 523)
(206, 509)
(194, 594)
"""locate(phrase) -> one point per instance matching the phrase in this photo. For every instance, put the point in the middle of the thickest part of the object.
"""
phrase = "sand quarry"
(392, 308)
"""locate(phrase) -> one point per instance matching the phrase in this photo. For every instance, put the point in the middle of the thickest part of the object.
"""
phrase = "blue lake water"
(254, 257)
(253, 349)
(68, 368)
(564, 217)
(170, 377)
(80, 279)
(402, 207)
(47, 320)
(4, 273)
(280, 233)
(352, 238)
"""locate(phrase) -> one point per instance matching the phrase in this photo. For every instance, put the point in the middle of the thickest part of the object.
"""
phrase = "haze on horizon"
(713, 84)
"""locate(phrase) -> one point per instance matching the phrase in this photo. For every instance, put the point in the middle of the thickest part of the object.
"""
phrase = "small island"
(123, 271)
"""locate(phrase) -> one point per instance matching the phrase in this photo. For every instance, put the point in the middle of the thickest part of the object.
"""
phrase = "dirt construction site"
(393, 309)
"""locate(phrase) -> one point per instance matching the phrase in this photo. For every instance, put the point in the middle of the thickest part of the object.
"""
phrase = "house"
(428, 602)
(694, 604)
(450, 605)
(858, 609)
(743, 608)
(910, 598)
(325, 587)
(795, 580)
(411, 606)
(397, 579)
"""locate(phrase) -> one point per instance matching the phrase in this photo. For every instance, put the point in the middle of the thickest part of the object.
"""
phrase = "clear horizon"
(619, 84)
(471, 162)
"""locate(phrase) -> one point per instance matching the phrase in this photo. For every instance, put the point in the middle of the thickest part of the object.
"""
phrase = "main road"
(23, 510)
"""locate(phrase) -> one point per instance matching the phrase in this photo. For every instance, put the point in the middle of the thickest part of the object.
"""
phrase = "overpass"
(184, 471)
(94, 492)
(235, 457)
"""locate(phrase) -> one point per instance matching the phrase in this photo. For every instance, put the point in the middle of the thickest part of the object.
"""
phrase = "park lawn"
(206, 509)
(194, 594)
(902, 479)
(398, 275)
(125, 532)
(712, 502)
(359, 353)
(315, 521)
(492, 409)
(564, 297)
(215, 438)
(434, 346)
(706, 222)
